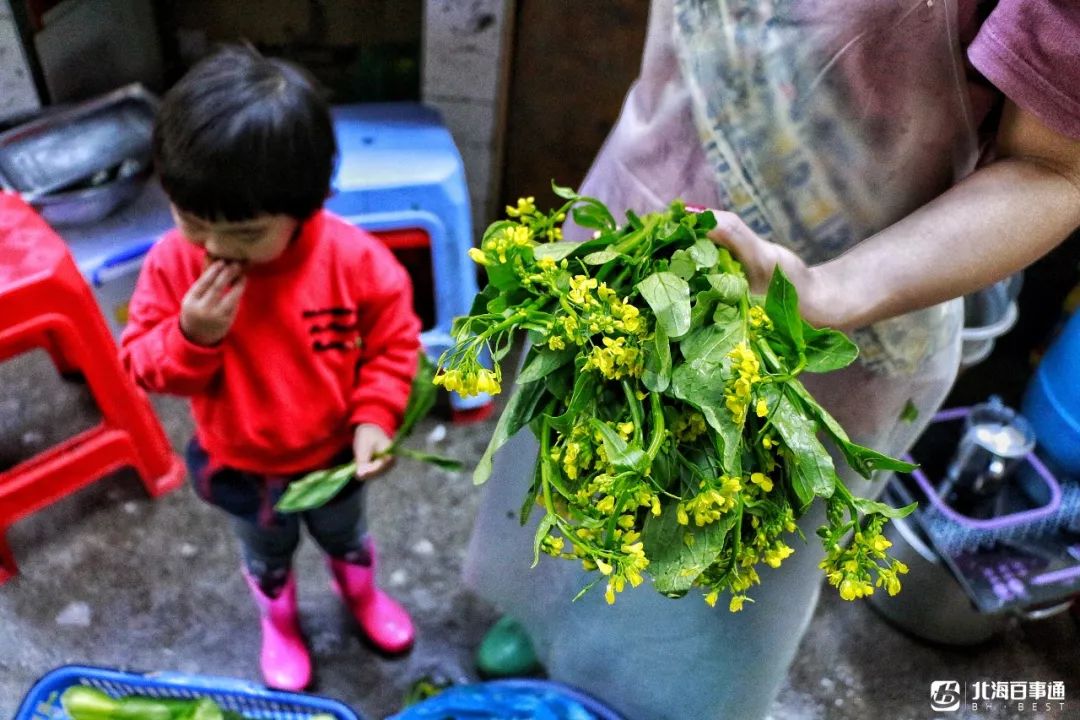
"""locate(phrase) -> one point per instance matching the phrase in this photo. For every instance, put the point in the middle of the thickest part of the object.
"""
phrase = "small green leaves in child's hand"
(318, 488)
(315, 489)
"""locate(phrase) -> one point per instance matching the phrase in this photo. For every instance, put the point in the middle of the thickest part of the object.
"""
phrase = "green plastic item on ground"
(506, 651)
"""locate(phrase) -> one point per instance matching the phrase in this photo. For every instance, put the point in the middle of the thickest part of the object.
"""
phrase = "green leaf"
(542, 530)
(704, 304)
(543, 361)
(657, 375)
(560, 384)
(827, 349)
(810, 465)
(727, 314)
(704, 222)
(872, 507)
(600, 257)
(440, 461)
(622, 456)
(673, 234)
(701, 384)
(682, 264)
(503, 277)
(731, 287)
(207, 709)
(521, 409)
(564, 192)
(910, 413)
(861, 459)
(315, 489)
(782, 307)
(712, 343)
(675, 564)
(481, 301)
(593, 214)
(669, 297)
(555, 251)
(704, 253)
(529, 503)
(422, 397)
(585, 389)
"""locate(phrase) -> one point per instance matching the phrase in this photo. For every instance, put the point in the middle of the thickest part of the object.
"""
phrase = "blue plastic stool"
(248, 699)
(400, 169)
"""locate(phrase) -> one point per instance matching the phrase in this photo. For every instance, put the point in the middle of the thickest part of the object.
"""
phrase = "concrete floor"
(109, 577)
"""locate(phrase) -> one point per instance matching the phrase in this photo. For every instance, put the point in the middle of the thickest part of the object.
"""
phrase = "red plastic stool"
(45, 303)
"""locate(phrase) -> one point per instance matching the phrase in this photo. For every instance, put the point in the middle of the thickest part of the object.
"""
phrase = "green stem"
(515, 318)
(774, 362)
(632, 240)
(656, 414)
(545, 463)
(635, 410)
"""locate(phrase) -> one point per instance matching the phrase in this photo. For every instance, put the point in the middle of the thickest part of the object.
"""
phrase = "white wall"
(18, 96)
(464, 42)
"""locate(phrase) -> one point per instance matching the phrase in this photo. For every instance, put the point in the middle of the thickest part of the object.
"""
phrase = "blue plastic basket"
(252, 701)
(492, 698)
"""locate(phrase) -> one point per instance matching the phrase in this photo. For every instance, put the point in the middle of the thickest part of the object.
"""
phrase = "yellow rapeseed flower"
(525, 206)
(762, 480)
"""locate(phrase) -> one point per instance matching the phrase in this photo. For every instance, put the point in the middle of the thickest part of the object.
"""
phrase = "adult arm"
(997, 221)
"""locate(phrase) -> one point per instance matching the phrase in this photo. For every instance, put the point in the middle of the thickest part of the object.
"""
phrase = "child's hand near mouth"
(210, 305)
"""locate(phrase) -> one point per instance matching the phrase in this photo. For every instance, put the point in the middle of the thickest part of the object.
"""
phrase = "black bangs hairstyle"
(242, 135)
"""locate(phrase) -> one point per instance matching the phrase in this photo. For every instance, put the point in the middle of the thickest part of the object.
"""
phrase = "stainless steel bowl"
(89, 205)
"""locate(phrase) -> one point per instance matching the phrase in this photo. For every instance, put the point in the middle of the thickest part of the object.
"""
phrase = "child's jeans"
(267, 538)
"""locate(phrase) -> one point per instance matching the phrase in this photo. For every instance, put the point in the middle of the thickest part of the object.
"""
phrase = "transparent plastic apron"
(820, 122)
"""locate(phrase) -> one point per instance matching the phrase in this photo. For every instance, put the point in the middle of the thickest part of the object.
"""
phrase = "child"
(292, 332)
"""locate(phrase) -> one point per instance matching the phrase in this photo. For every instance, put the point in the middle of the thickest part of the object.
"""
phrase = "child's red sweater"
(325, 339)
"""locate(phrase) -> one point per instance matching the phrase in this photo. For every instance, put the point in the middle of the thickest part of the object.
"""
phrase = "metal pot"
(933, 605)
(988, 314)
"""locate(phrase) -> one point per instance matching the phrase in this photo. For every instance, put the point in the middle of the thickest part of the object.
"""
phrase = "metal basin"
(932, 604)
(89, 205)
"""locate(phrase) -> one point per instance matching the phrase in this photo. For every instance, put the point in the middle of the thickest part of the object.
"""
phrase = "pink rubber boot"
(285, 662)
(382, 619)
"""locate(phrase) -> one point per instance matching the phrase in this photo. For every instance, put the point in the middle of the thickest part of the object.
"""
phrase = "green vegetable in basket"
(81, 702)
(87, 703)
(205, 709)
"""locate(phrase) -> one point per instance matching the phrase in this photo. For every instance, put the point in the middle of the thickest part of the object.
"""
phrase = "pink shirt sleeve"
(1030, 50)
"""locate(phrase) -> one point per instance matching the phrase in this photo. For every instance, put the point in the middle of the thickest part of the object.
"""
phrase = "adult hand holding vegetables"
(824, 127)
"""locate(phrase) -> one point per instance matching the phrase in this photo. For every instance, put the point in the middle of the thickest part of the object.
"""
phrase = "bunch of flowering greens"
(675, 437)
